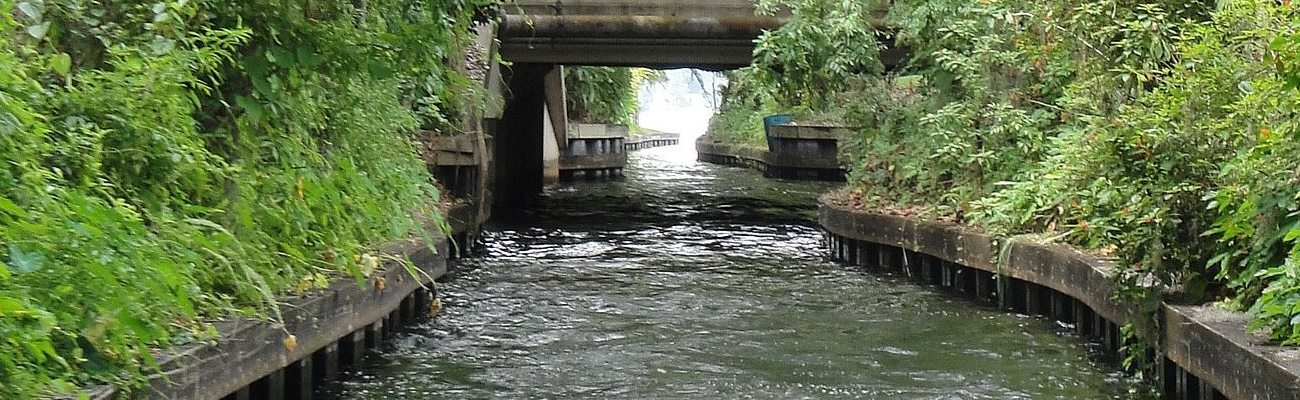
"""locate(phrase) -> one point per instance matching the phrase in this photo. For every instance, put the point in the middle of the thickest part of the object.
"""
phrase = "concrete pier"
(594, 151)
(806, 152)
(795, 166)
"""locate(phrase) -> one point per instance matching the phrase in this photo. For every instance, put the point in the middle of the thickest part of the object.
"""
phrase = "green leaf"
(280, 56)
(1292, 234)
(264, 87)
(200, 222)
(258, 74)
(10, 208)
(12, 307)
(251, 108)
(61, 64)
(308, 57)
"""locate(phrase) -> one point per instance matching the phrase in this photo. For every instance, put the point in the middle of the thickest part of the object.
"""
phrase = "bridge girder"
(662, 34)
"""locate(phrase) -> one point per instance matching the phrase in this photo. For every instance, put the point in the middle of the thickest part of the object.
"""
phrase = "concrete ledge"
(802, 162)
(344, 316)
(598, 131)
(750, 153)
(594, 161)
(1060, 268)
(1212, 344)
(740, 28)
(650, 138)
(250, 350)
(459, 150)
(802, 146)
(731, 154)
(811, 131)
(648, 143)
(771, 165)
(1207, 352)
(681, 8)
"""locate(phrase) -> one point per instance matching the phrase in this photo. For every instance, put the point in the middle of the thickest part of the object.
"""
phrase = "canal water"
(688, 280)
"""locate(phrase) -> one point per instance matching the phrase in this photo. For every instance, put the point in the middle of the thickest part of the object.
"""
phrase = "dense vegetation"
(605, 95)
(1163, 133)
(824, 55)
(171, 162)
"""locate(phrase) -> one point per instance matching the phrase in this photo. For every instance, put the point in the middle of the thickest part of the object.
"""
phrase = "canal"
(688, 280)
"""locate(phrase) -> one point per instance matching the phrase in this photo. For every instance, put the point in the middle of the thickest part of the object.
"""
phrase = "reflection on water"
(689, 280)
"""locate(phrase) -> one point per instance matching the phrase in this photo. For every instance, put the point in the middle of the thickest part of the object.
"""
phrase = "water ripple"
(696, 281)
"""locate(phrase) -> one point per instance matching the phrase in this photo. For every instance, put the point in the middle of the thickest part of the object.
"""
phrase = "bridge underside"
(716, 57)
(634, 41)
(717, 34)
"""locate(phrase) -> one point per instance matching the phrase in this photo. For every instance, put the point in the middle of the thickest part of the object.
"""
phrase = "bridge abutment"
(519, 141)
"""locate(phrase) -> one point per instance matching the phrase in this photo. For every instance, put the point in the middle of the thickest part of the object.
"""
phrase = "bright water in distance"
(689, 280)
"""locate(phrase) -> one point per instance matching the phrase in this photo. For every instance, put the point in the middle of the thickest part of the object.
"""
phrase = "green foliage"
(1134, 181)
(745, 101)
(605, 95)
(1257, 202)
(825, 45)
(1163, 133)
(600, 94)
(1109, 124)
(169, 163)
(811, 68)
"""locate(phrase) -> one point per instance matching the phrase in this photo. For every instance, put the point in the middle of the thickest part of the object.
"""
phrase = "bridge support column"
(550, 150)
(519, 144)
(557, 123)
(557, 105)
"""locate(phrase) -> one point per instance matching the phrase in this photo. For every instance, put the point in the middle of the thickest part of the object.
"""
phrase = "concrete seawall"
(633, 144)
(1206, 355)
(772, 166)
(332, 328)
(594, 151)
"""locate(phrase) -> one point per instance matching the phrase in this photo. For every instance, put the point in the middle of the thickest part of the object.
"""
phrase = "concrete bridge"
(715, 34)
(539, 37)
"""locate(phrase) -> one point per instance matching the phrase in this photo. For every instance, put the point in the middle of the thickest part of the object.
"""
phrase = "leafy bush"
(605, 95)
(1162, 133)
(810, 68)
(825, 45)
(1257, 204)
(169, 163)
(744, 104)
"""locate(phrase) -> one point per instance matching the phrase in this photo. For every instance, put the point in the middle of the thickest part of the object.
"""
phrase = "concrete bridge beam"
(742, 28)
(661, 34)
(677, 8)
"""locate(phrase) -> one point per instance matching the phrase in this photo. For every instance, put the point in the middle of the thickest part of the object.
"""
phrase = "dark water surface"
(689, 280)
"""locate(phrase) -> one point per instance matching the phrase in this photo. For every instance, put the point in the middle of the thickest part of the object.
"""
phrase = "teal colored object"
(774, 120)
